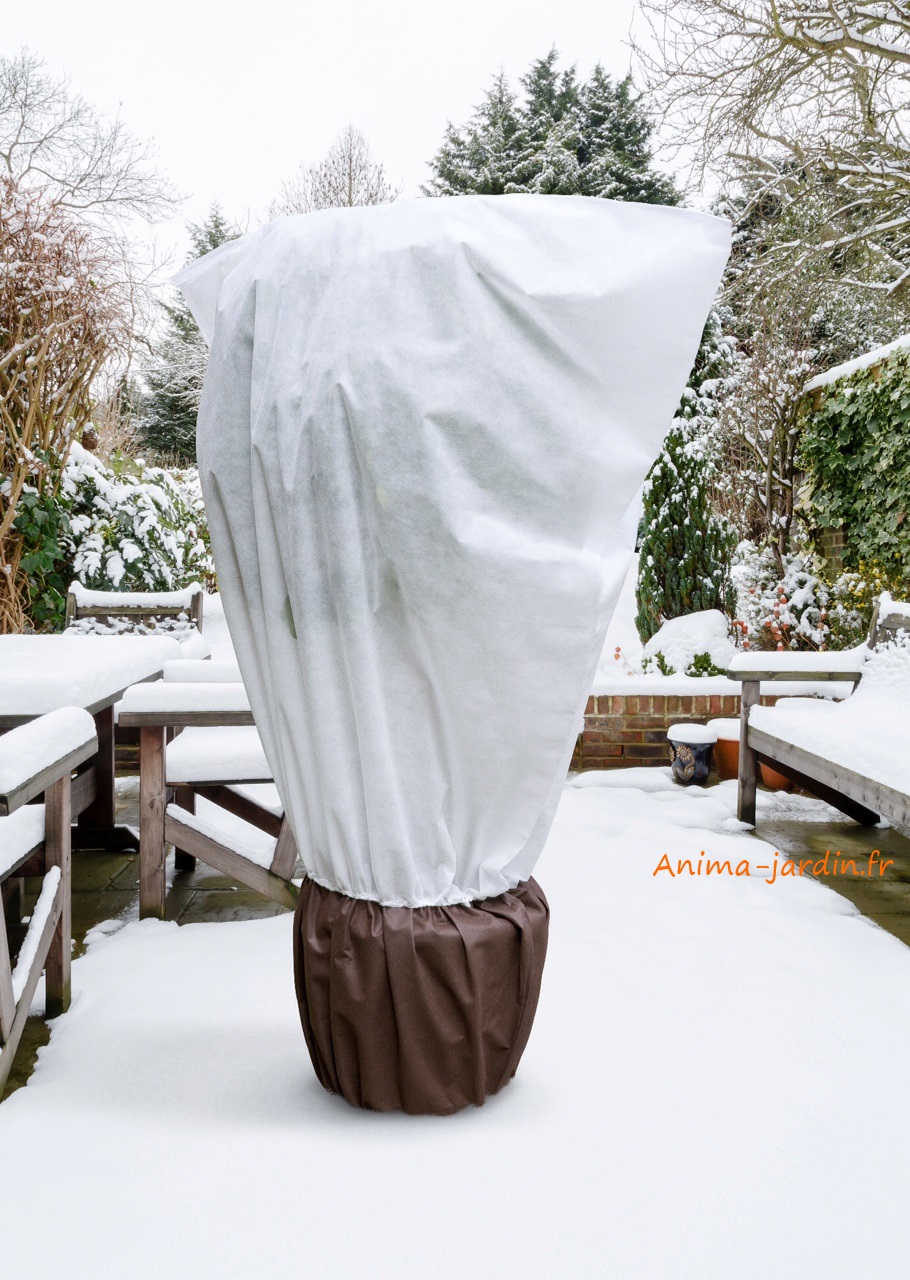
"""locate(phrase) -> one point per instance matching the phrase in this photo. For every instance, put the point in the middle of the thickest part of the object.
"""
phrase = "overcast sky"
(236, 95)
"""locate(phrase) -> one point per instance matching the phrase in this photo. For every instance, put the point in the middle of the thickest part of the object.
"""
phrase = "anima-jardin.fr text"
(832, 864)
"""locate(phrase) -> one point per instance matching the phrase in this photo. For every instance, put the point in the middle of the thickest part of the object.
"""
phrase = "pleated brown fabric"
(418, 1009)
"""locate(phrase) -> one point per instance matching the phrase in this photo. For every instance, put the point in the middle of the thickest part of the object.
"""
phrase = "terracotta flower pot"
(773, 780)
(726, 749)
(726, 758)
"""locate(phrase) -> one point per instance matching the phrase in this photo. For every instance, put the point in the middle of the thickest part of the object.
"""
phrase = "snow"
(711, 1056)
(193, 672)
(217, 755)
(830, 660)
(29, 949)
(698, 686)
(867, 733)
(725, 730)
(20, 833)
(182, 599)
(264, 794)
(692, 733)
(42, 673)
(622, 633)
(227, 829)
(193, 645)
(888, 606)
(32, 747)
(861, 362)
(170, 696)
(681, 639)
(217, 636)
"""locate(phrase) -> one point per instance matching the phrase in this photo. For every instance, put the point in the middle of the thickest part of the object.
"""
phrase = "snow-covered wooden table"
(41, 673)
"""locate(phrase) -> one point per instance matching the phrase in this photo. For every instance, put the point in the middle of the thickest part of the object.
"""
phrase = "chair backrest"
(887, 621)
(136, 606)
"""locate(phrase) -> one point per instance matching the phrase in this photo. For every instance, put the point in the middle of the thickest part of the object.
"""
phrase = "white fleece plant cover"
(421, 428)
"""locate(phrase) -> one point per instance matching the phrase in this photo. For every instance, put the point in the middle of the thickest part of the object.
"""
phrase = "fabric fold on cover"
(421, 428)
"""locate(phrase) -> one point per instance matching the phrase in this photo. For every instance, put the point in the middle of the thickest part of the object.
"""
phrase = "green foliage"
(703, 665)
(561, 138)
(167, 417)
(658, 660)
(855, 450)
(43, 525)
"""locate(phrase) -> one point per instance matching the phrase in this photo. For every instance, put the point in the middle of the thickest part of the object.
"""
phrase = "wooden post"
(186, 798)
(748, 761)
(99, 816)
(284, 859)
(58, 853)
(152, 882)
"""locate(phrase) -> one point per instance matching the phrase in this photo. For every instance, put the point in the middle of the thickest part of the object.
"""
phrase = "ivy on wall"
(855, 451)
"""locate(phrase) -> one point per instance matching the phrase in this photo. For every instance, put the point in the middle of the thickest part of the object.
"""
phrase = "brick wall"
(623, 731)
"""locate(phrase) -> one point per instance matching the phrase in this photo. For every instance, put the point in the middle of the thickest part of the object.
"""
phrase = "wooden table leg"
(58, 853)
(748, 761)
(186, 798)
(152, 882)
(96, 827)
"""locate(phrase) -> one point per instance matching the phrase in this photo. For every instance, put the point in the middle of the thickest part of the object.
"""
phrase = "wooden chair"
(219, 757)
(34, 758)
(856, 795)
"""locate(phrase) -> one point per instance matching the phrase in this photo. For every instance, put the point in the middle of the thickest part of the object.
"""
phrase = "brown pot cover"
(418, 1009)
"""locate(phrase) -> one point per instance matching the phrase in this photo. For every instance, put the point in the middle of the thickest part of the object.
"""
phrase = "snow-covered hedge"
(139, 529)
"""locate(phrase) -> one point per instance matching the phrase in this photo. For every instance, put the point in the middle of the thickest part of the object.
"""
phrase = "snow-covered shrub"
(696, 644)
(803, 607)
(139, 529)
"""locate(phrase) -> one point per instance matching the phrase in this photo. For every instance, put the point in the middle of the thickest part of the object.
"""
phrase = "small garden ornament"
(421, 428)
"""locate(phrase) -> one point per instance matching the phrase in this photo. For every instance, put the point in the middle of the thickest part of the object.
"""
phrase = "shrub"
(802, 606)
(124, 527)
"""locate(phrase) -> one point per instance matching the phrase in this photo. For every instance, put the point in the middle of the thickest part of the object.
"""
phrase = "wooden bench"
(860, 797)
(167, 795)
(34, 758)
(141, 606)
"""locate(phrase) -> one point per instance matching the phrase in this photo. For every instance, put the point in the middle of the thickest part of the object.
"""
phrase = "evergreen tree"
(481, 158)
(167, 418)
(562, 138)
(686, 547)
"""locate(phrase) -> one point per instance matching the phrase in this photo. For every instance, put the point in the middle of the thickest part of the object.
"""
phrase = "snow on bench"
(173, 703)
(849, 754)
(21, 833)
(216, 755)
(866, 733)
(225, 829)
(28, 952)
(44, 745)
(188, 671)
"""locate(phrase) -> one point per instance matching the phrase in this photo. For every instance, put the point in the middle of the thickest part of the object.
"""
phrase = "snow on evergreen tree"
(167, 417)
(562, 138)
(686, 548)
(481, 158)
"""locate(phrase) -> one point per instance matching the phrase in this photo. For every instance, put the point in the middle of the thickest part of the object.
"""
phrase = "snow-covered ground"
(713, 1089)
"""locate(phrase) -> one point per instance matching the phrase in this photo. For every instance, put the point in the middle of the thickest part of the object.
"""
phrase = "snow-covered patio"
(709, 1090)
